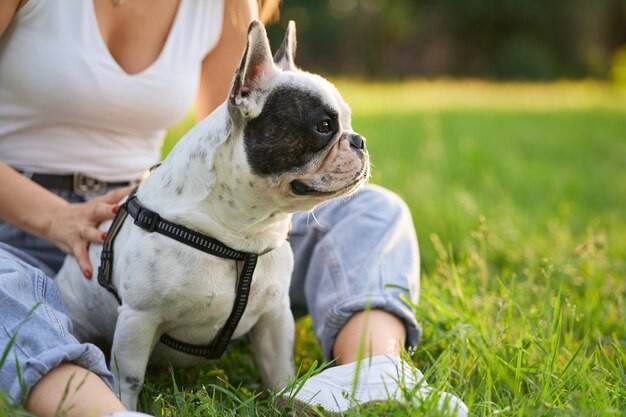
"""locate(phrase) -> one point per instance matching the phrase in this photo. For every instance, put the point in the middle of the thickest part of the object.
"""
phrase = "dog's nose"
(357, 141)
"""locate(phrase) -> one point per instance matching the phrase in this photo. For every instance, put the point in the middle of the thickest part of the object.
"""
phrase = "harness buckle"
(146, 219)
(84, 184)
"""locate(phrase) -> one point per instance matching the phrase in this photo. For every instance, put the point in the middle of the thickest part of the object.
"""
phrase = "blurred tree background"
(498, 39)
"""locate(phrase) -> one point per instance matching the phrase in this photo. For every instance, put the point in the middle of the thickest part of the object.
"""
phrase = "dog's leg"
(135, 336)
(272, 339)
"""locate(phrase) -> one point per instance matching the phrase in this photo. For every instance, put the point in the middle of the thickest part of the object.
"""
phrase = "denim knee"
(355, 254)
(36, 330)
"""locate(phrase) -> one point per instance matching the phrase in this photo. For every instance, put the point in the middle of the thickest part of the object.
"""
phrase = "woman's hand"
(75, 225)
(70, 226)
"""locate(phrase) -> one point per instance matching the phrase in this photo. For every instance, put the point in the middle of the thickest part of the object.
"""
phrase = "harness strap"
(150, 221)
(105, 270)
(221, 341)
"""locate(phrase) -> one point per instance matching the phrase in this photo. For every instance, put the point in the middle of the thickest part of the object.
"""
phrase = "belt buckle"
(84, 184)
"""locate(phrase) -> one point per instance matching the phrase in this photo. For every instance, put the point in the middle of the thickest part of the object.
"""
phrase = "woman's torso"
(67, 105)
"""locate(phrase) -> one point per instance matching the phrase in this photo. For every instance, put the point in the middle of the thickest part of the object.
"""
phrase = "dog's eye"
(324, 126)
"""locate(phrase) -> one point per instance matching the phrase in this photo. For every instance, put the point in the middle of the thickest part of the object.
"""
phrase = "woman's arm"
(7, 11)
(30, 207)
(218, 68)
(16, 205)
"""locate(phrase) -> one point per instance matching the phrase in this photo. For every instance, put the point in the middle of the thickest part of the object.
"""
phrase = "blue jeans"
(352, 254)
(32, 312)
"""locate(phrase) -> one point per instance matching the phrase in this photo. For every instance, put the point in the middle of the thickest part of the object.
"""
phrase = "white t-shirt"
(67, 106)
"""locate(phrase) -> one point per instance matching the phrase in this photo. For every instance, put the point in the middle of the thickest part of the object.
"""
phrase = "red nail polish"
(87, 273)
(116, 209)
(104, 235)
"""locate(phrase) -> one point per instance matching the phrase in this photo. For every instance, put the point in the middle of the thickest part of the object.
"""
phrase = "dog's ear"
(255, 71)
(286, 54)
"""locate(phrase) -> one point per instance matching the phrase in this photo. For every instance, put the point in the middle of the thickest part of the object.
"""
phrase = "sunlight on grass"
(375, 98)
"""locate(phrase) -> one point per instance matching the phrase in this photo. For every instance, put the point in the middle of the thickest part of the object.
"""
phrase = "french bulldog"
(282, 142)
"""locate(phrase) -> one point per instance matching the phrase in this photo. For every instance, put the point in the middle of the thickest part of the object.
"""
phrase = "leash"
(150, 221)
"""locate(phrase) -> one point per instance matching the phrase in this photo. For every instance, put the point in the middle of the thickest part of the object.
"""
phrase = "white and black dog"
(281, 143)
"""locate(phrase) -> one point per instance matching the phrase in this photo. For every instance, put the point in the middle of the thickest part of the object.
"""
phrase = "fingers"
(102, 208)
(76, 226)
(102, 211)
(80, 248)
(114, 196)
(81, 254)
(105, 206)
(91, 234)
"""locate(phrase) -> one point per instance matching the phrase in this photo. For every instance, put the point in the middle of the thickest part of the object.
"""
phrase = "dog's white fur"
(206, 184)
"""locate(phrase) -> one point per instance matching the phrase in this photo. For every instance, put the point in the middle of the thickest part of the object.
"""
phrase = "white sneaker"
(380, 378)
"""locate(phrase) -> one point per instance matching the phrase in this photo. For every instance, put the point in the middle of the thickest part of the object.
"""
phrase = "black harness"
(150, 221)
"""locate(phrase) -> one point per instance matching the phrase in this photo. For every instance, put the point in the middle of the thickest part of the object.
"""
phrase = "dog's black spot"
(152, 268)
(285, 136)
(167, 181)
(179, 189)
(199, 154)
(134, 383)
(250, 184)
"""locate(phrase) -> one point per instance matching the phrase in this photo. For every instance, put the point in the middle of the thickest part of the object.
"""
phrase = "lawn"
(518, 195)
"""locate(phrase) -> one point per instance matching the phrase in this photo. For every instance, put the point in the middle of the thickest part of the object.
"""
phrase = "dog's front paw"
(130, 387)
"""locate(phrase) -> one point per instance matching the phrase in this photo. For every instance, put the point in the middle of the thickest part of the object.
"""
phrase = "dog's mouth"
(300, 188)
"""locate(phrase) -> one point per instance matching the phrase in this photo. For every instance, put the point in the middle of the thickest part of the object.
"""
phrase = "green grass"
(520, 212)
(518, 195)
